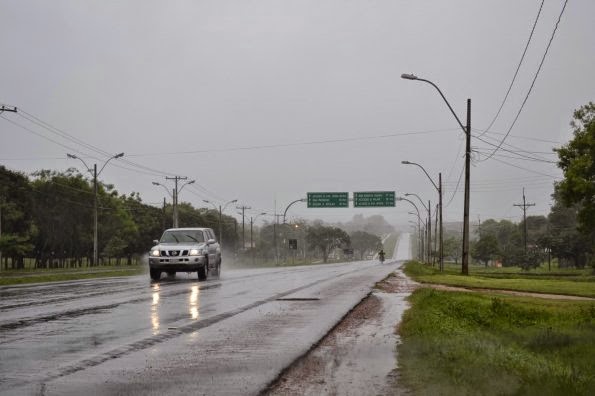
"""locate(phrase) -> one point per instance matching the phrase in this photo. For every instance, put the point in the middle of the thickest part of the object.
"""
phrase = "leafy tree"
(364, 242)
(16, 219)
(577, 161)
(63, 212)
(567, 243)
(485, 249)
(453, 248)
(326, 238)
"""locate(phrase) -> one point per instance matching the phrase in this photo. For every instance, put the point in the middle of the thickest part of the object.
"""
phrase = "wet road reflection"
(155, 309)
(194, 302)
(54, 331)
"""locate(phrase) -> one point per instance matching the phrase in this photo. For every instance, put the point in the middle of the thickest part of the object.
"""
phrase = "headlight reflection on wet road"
(194, 302)
(154, 309)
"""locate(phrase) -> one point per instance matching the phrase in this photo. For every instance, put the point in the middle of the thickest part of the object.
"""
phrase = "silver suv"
(185, 250)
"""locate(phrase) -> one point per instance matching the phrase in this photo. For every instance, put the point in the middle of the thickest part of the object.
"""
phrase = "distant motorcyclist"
(381, 256)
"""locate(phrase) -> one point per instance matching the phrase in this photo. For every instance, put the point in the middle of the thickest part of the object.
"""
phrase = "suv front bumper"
(184, 263)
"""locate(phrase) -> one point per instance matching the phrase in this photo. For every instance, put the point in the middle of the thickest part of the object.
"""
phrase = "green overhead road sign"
(373, 199)
(328, 200)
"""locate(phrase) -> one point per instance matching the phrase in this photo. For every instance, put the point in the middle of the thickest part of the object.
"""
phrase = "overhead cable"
(532, 84)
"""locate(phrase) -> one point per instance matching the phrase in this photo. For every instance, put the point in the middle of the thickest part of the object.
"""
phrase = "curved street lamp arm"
(210, 203)
(446, 101)
(108, 160)
(423, 169)
(185, 184)
(159, 184)
(288, 206)
(82, 160)
(411, 202)
(420, 200)
(227, 203)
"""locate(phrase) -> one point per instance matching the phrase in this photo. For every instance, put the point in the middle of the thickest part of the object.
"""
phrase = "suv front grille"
(174, 253)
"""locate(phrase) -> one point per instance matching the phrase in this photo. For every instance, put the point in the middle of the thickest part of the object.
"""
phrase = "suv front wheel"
(155, 274)
(202, 271)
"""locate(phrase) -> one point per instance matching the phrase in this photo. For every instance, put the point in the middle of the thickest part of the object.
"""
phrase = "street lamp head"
(262, 214)
(399, 198)
(71, 156)
(408, 194)
(119, 155)
(191, 181)
(407, 76)
(234, 201)
(206, 201)
(406, 162)
(156, 184)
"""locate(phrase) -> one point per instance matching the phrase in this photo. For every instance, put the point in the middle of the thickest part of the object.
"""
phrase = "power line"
(532, 83)
(525, 169)
(518, 151)
(307, 143)
(517, 69)
(518, 137)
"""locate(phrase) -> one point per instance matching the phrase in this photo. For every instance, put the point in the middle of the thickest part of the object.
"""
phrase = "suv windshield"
(180, 236)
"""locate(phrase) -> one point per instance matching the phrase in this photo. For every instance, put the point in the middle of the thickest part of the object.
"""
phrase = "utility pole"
(175, 197)
(525, 205)
(243, 208)
(429, 241)
(94, 173)
(436, 236)
(441, 226)
(1, 204)
(163, 217)
(465, 260)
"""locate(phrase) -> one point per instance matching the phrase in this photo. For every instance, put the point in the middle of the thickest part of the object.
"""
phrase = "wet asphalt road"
(129, 336)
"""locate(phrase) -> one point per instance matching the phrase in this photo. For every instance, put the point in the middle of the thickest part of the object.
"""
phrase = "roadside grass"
(57, 275)
(567, 282)
(456, 343)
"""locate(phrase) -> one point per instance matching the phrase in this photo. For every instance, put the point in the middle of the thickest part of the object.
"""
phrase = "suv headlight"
(195, 252)
(155, 253)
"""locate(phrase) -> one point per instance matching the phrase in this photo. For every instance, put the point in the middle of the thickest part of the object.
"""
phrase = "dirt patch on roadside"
(359, 355)
(509, 292)
(396, 283)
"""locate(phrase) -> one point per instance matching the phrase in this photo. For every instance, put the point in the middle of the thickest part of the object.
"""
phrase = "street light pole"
(252, 220)
(174, 196)
(419, 248)
(95, 174)
(416, 209)
(467, 130)
(221, 210)
(288, 206)
(439, 189)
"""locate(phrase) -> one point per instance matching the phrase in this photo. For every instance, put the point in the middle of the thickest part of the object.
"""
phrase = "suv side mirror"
(155, 241)
(211, 241)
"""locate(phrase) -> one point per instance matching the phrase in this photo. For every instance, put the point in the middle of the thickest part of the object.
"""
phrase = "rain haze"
(264, 101)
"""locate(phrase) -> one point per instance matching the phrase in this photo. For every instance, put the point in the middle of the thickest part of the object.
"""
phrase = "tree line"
(48, 217)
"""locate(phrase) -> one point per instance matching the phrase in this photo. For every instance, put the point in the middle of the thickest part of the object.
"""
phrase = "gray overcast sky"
(179, 86)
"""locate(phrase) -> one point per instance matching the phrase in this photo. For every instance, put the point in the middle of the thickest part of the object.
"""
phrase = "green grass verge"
(478, 344)
(573, 282)
(57, 275)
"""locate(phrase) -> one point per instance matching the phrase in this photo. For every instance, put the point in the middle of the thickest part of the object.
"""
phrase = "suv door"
(212, 247)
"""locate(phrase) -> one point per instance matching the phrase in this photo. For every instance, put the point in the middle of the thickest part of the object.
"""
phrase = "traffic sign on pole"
(373, 199)
(328, 200)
